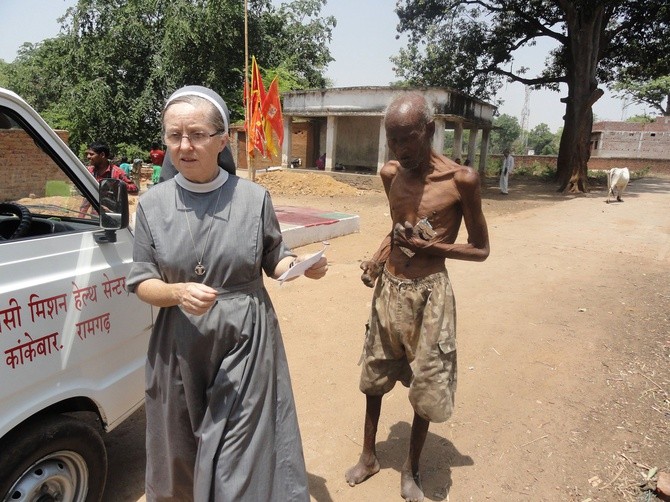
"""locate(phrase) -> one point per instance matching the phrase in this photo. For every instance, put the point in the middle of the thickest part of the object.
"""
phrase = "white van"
(72, 340)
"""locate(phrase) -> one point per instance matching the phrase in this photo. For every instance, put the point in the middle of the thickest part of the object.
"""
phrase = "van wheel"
(53, 459)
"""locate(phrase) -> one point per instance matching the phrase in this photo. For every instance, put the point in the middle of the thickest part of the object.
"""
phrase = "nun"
(221, 418)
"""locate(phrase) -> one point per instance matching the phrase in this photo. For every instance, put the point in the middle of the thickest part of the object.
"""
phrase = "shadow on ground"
(126, 459)
(438, 458)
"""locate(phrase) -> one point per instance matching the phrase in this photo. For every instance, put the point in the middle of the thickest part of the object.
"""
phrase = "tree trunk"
(575, 147)
(582, 52)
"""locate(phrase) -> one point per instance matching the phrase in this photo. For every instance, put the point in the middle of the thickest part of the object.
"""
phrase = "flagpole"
(247, 121)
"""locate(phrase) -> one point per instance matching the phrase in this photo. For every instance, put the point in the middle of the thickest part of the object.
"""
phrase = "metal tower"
(525, 116)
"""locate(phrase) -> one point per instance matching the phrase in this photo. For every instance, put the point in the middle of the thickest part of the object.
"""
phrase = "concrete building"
(346, 124)
(631, 140)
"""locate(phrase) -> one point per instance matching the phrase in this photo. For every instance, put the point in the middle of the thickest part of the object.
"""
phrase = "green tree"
(4, 73)
(293, 34)
(654, 92)
(39, 75)
(542, 140)
(640, 119)
(506, 131)
(116, 61)
(474, 42)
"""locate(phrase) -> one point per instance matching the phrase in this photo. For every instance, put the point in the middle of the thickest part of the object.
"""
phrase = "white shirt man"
(506, 170)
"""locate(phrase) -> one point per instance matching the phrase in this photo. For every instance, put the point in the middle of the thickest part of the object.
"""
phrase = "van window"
(37, 197)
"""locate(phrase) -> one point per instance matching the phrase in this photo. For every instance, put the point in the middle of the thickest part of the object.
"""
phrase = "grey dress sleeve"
(144, 254)
(274, 247)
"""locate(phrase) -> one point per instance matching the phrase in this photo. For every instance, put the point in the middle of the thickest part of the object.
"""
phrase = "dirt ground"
(563, 345)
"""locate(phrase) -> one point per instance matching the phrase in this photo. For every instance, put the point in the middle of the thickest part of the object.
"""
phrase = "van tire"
(50, 456)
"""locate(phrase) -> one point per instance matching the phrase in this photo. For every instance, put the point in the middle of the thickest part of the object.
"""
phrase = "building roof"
(372, 101)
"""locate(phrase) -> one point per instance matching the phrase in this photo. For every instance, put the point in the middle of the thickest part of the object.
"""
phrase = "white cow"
(617, 180)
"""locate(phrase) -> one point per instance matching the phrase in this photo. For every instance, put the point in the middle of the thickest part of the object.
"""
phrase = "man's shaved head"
(409, 104)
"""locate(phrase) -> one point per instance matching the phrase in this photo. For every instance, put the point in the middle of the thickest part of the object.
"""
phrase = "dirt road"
(564, 352)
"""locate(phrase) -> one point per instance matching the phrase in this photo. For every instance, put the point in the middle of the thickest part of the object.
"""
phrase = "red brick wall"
(632, 143)
(595, 163)
(654, 165)
(24, 165)
(302, 146)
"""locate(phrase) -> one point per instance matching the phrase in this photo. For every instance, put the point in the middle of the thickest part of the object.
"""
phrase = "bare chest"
(437, 201)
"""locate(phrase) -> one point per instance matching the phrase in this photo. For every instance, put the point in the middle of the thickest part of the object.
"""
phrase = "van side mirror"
(113, 198)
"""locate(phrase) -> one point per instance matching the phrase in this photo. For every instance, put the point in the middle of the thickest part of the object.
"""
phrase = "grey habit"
(221, 420)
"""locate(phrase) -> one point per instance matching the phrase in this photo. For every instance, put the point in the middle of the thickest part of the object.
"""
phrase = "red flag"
(271, 111)
(257, 83)
(257, 91)
(255, 120)
(257, 134)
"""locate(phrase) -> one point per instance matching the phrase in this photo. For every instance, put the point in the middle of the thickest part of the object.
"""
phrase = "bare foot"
(367, 466)
(410, 486)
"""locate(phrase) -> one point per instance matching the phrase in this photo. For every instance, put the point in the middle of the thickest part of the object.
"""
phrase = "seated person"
(125, 165)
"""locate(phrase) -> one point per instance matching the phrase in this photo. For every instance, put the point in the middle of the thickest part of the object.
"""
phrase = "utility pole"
(247, 87)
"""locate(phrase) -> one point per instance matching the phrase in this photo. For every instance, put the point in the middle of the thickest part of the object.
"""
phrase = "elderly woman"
(221, 420)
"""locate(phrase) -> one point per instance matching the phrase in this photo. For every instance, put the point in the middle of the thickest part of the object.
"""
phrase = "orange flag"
(257, 90)
(257, 82)
(257, 134)
(271, 111)
(255, 121)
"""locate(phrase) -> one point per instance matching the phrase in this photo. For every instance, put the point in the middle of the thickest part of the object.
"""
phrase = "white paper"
(299, 268)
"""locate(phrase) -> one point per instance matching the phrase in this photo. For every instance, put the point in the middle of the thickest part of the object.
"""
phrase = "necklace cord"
(200, 269)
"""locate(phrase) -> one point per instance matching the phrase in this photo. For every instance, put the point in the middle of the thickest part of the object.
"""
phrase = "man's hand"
(412, 238)
(371, 270)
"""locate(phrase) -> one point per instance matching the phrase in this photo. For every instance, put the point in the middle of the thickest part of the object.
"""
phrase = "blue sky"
(363, 41)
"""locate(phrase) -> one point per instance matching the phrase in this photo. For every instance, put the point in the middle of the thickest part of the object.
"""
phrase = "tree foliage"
(654, 92)
(108, 73)
(4, 73)
(542, 140)
(507, 131)
(640, 119)
(471, 45)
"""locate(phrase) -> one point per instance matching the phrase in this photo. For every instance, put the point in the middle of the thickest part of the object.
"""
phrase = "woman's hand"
(316, 271)
(196, 298)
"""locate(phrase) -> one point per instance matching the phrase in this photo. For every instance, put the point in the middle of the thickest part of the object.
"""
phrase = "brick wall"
(301, 147)
(659, 166)
(23, 165)
(628, 144)
(631, 140)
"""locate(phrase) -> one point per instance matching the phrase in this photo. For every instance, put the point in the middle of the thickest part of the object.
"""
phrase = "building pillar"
(458, 140)
(472, 144)
(233, 138)
(331, 139)
(484, 151)
(438, 136)
(287, 145)
(383, 152)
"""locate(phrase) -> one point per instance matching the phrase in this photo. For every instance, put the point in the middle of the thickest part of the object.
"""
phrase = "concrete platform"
(305, 225)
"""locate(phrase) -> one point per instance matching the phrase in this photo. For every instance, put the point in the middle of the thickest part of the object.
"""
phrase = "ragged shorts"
(411, 338)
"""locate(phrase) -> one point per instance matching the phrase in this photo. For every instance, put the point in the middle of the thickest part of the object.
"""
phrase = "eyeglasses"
(197, 138)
